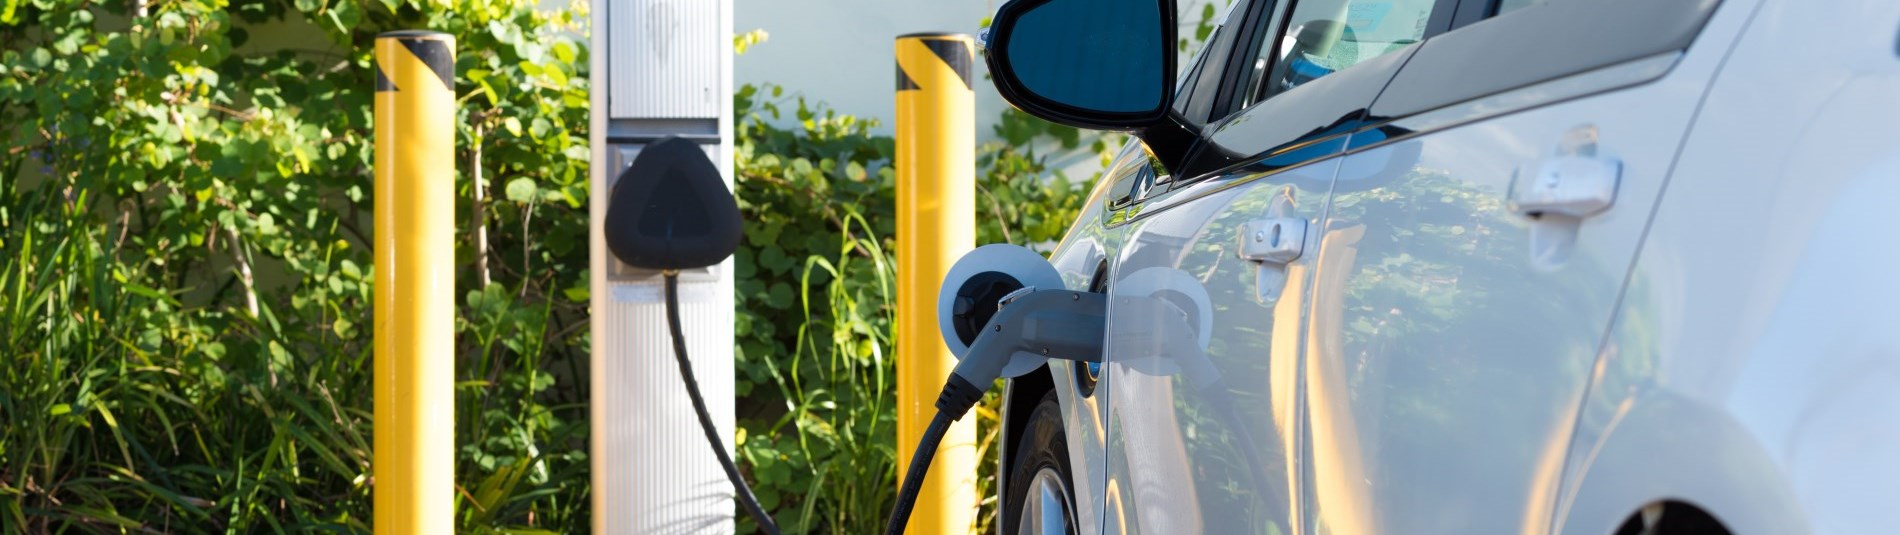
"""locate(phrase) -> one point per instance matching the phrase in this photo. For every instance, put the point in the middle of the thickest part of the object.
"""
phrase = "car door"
(1477, 239)
(1210, 287)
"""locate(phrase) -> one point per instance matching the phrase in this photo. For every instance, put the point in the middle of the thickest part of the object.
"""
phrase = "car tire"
(1040, 479)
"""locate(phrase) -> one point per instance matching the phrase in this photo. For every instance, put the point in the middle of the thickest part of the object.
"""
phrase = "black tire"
(1041, 446)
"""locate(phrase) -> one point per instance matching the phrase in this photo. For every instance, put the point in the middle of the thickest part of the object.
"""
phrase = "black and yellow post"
(414, 458)
(936, 224)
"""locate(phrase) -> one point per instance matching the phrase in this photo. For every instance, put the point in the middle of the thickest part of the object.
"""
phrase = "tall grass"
(122, 409)
(185, 267)
(816, 306)
(125, 409)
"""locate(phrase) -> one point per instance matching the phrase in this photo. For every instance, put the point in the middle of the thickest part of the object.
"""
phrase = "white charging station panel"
(662, 69)
(666, 70)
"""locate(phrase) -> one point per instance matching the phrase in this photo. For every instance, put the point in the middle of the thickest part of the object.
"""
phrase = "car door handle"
(1558, 195)
(1277, 240)
(1574, 185)
(1271, 244)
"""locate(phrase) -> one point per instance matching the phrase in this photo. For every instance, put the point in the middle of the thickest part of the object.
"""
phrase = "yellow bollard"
(936, 205)
(414, 459)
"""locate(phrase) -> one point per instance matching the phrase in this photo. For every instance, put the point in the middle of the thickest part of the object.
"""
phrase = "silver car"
(1472, 266)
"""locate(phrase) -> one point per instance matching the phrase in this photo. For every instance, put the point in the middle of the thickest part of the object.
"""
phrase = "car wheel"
(1039, 500)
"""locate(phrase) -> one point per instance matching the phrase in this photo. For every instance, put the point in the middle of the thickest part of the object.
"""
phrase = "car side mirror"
(1097, 64)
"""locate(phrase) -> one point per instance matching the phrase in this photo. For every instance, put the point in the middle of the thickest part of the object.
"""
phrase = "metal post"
(936, 190)
(414, 446)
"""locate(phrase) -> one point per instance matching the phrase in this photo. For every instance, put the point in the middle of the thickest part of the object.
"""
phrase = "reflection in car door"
(1202, 351)
(1461, 300)
(1205, 315)
(1211, 288)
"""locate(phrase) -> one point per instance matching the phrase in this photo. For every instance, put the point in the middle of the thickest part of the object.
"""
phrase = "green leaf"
(521, 189)
(556, 76)
(780, 296)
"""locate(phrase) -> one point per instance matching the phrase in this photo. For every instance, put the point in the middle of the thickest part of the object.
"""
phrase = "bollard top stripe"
(952, 49)
(904, 83)
(433, 49)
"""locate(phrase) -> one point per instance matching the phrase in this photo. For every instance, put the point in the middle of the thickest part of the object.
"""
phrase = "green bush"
(184, 233)
(815, 302)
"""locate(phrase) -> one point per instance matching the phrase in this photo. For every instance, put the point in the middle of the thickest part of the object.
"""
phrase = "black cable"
(705, 419)
(914, 477)
(955, 401)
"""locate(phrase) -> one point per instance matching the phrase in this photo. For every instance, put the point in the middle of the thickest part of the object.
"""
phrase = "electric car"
(1471, 266)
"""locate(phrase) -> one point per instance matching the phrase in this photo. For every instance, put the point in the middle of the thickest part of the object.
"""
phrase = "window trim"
(1205, 90)
(1262, 17)
(1445, 20)
(1471, 11)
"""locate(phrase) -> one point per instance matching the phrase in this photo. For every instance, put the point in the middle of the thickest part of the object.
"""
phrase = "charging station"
(663, 228)
(661, 68)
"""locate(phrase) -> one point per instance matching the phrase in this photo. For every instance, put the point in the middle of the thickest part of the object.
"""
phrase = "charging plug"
(1030, 327)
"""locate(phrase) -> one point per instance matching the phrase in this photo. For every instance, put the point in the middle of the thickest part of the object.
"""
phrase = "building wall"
(839, 51)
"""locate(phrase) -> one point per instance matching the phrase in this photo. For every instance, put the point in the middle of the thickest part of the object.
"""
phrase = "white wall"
(839, 51)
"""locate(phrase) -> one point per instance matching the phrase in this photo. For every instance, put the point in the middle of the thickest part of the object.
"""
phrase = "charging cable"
(671, 210)
(705, 418)
(1030, 326)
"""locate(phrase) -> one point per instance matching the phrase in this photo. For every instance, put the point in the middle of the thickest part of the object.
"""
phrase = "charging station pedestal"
(659, 68)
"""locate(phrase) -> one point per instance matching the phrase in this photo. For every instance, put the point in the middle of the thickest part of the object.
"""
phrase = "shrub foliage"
(815, 297)
(185, 259)
(185, 268)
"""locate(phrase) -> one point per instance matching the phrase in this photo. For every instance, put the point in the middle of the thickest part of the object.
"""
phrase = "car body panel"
(1452, 337)
(1754, 369)
(1528, 46)
(1722, 336)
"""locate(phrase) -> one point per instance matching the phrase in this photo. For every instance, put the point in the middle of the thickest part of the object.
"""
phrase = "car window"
(1507, 6)
(1321, 37)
